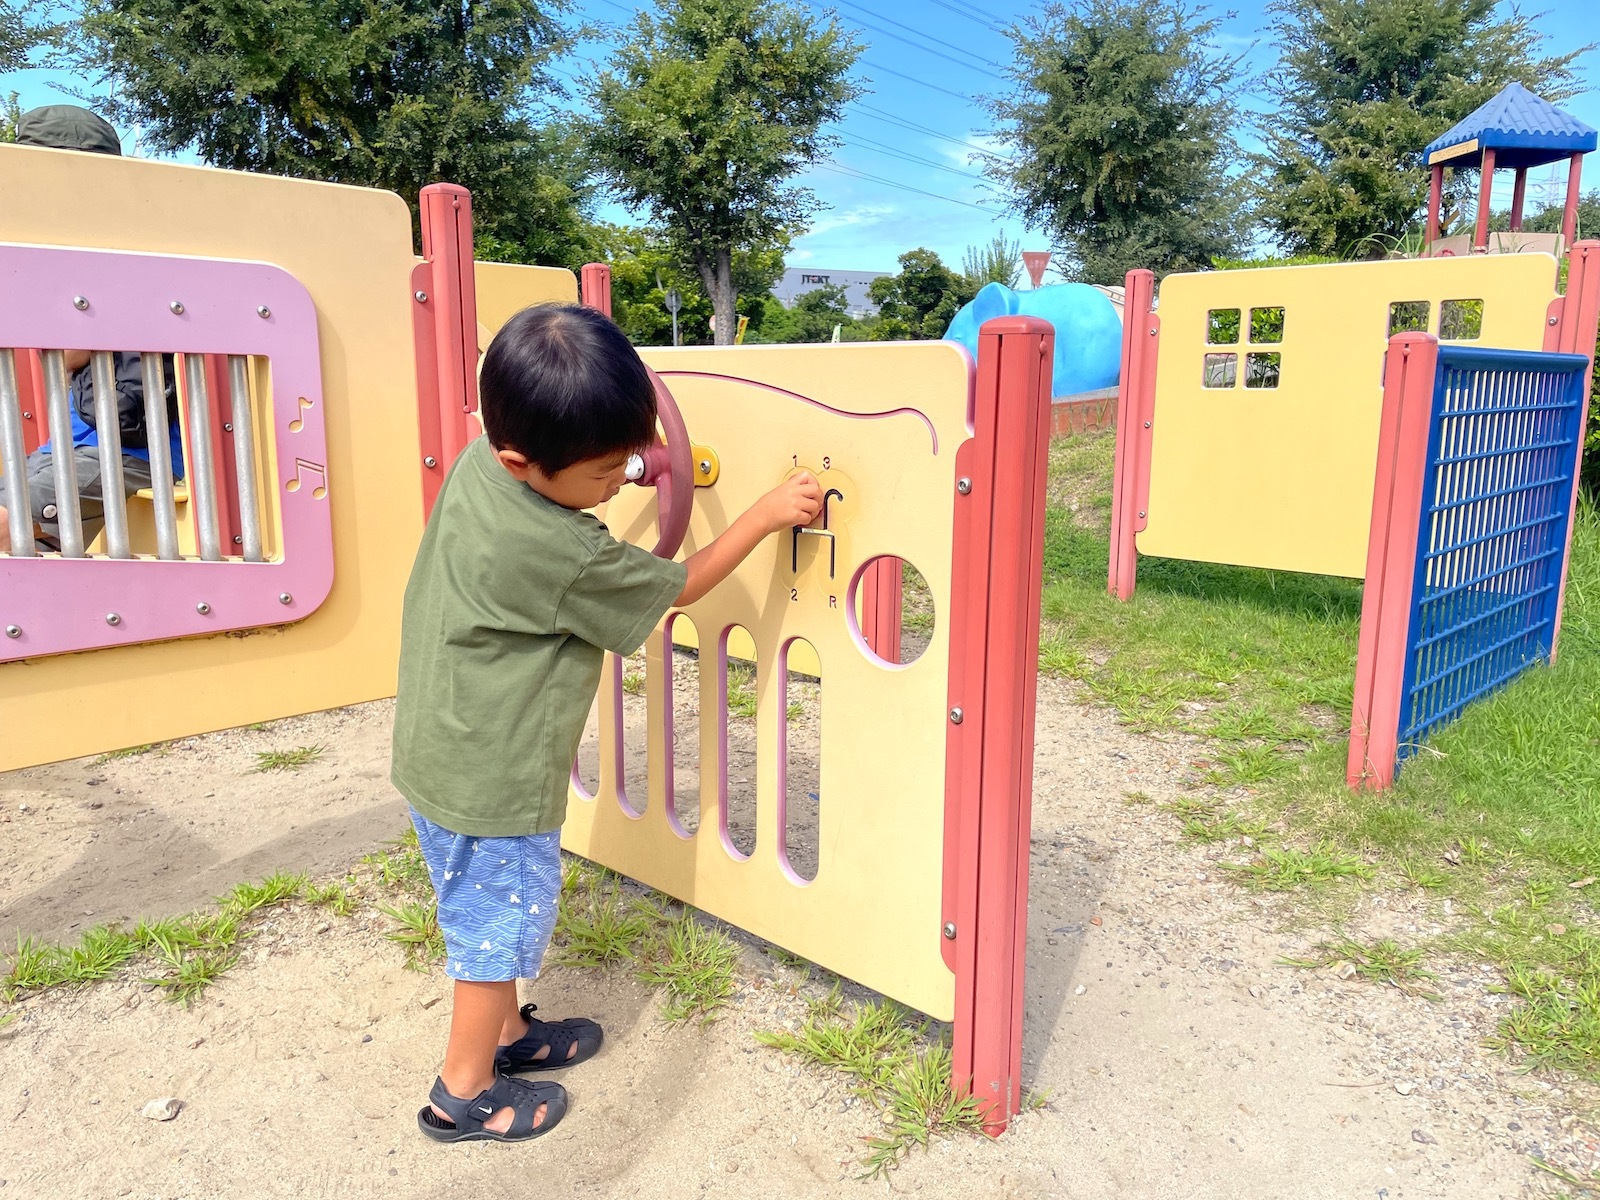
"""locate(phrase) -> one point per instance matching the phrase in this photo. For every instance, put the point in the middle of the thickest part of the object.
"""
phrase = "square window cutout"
(1266, 325)
(1262, 370)
(1409, 316)
(1221, 371)
(1460, 320)
(1222, 326)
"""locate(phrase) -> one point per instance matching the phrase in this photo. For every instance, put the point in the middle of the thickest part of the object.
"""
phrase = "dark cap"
(67, 127)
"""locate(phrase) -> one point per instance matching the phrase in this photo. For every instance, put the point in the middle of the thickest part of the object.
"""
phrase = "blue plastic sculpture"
(1088, 330)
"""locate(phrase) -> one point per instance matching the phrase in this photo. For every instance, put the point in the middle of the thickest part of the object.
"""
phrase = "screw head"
(705, 466)
(263, 311)
(238, 539)
(950, 930)
(1141, 513)
(13, 631)
(227, 426)
(1152, 331)
(27, 416)
(1147, 424)
(285, 598)
(964, 486)
(80, 303)
(422, 297)
(177, 308)
(1555, 320)
(430, 462)
(957, 716)
(203, 609)
(113, 619)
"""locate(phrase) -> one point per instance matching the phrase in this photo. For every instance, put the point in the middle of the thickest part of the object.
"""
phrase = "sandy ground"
(1179, 1059)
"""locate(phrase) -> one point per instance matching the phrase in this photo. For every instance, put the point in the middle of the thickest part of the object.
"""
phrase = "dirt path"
(1179, 1059)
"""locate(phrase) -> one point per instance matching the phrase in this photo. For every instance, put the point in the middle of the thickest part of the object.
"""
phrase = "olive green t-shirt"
(511, 602)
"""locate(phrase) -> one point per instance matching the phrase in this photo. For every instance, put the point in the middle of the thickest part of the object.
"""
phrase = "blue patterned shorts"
(497, 899)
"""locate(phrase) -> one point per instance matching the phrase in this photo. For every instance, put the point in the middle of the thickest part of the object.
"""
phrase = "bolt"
(705, 466)
(957, 716)
(177, 308)
(227, 427)
(964, 486)
(1555, 320)
(113, 619)
(263, 311)
(80, 303)
(238, 539)
(1141, 512)
(422, 297)
(950, 930)
(430, 462)
(285, 598)
(203, 609)
(13, 631)
(1152, 331)
(1147, 424)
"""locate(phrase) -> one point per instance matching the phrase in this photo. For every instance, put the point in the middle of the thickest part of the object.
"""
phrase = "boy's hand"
(795, 501)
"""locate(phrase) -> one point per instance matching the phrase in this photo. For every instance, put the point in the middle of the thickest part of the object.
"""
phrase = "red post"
(1519, 193)
(596, 287)
(446, 329)
(1480, 239)
(219, 398)
(1391, 560)
(881, 594)
(1574, 332)
(1141, 332)
(999, 548)
(1569, 219)
(35, 412)
(1435, 198)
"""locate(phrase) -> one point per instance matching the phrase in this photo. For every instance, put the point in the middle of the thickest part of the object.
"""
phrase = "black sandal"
(467, 1117)
(558, 1035)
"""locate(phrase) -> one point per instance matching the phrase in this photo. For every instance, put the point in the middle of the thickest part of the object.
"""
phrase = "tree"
(998, 262)
(24, 27)
(920, 300)
(380, 93)
(813, 318)
(1362, 86)
(10, 114)
(705, 114)
(1119, 135)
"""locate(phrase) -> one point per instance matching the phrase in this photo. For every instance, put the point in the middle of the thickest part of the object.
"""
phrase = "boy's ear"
(516, 463)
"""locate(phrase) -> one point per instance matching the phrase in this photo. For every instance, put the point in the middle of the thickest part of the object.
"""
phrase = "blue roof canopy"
(1521, 129)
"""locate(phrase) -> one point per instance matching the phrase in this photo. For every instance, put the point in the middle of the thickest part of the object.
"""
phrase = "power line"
(923, 82)
(928, 49)
(889, 118)
(961, 12)
(841, 169)
(865, 143)
(925, 36)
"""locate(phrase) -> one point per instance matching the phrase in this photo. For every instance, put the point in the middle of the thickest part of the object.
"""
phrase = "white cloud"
(865, 214)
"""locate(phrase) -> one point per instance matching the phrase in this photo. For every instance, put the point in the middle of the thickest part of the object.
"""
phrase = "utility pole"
(674, 302)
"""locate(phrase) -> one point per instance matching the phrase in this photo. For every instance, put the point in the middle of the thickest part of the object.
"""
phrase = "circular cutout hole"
(891, 611)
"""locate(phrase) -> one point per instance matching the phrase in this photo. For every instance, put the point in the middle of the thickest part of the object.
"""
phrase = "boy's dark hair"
(561, 384)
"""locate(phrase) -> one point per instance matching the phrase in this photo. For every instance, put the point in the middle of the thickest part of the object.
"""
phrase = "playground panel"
(351, 251)
(1267, 393)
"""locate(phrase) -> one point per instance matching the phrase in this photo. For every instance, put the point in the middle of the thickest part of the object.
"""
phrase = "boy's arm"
(796, 501)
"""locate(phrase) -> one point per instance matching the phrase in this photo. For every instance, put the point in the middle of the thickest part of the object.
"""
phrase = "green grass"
(417, 930)
(695, 967)
(287, 760)
(127, 752)
(741, 690)
(1500, 813)
(895, 1067)
(1380, 961)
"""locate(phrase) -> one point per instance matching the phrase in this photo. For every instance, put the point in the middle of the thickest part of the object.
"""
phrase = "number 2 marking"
(794, 593)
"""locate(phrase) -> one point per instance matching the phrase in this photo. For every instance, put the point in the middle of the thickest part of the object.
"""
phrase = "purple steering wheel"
(668, 466)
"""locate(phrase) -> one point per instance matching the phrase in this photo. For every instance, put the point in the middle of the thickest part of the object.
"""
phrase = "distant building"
(797, 281)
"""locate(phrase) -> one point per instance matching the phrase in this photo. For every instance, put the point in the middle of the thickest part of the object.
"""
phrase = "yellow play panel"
(880, 425)
(1265, 433)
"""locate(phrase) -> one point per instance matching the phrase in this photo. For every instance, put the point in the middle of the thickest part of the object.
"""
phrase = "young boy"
(515, 595)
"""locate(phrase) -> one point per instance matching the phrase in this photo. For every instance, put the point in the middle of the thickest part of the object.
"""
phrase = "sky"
(903, 175)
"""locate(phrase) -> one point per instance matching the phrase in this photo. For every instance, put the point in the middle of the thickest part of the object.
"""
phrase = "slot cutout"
(738, 681)
(801, 763)
(683, 726)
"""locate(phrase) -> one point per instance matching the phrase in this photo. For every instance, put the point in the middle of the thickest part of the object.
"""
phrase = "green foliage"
(919, 301)
(287, 760)
(1119, 136)
(417, 930)
(813, 318)
(25, 26)
(696, 967)
(388, 93)
(704, 116)
(998, 262)
(10, 113)
(1362, 86)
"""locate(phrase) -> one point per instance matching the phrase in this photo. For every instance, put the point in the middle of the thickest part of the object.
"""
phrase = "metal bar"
(244, 457)
(159, 442)
(1484, 577)
(69, 514)
(1499, 493)
(108, 427)
(1477, 539)
(14, 456)
(1460, 626)
(202, 475)
(1481, 455)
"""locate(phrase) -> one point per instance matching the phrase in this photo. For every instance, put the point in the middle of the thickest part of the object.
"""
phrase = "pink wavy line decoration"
(839, 412)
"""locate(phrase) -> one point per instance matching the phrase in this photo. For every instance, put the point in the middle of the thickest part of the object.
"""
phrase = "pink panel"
(62, 605)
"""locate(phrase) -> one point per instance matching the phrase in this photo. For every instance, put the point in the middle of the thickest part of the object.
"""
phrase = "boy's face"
(582, 485)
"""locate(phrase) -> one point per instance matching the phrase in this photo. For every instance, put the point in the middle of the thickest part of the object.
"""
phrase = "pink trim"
(855, 597)
(452, 300)
(788, 870)
(838, 412)
(1391, 560)
(1574, 333)
(669, 735)
(596, 283)
(61, 605)
(619, 747)
(999, 538)
(1135, 432)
